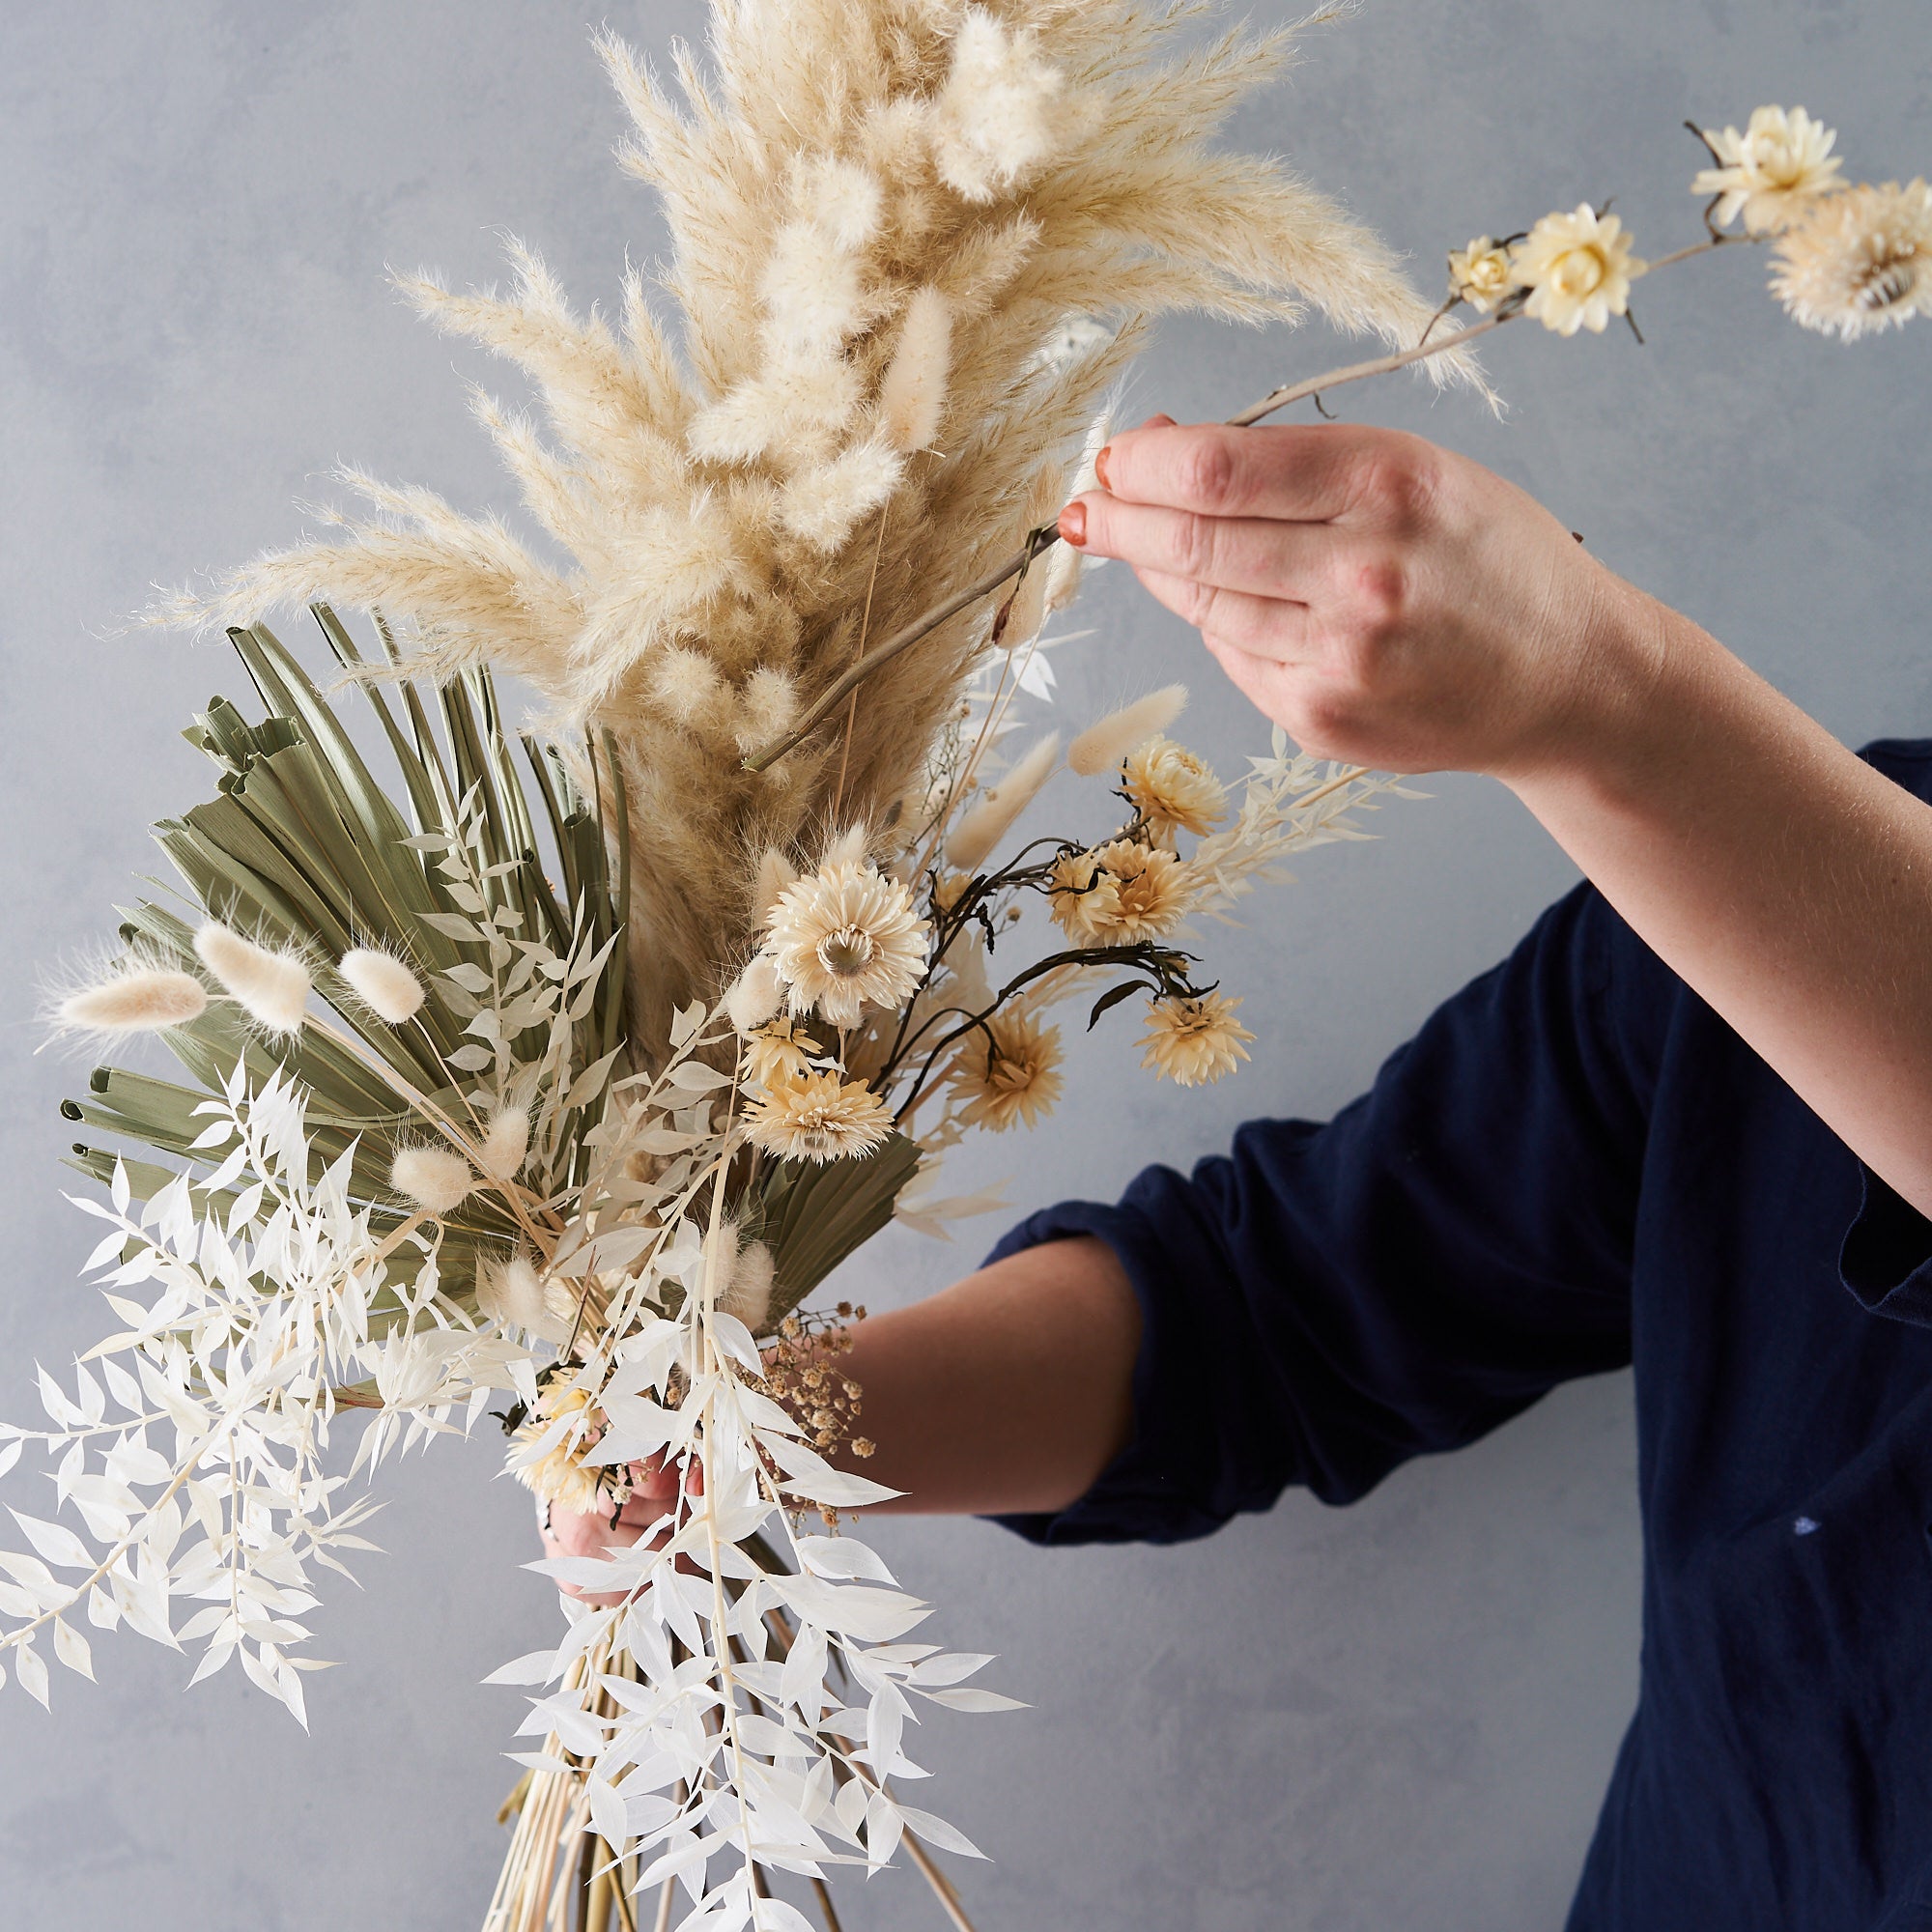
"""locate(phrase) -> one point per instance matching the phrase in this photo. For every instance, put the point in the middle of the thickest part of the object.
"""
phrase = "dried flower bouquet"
(566, 1083)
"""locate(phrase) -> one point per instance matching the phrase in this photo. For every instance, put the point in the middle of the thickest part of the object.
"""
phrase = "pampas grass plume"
(143, 999)
(382, 984)
(272, 987)
(992, 817)
(1101, 746)
(912, 398)
(506, 1144)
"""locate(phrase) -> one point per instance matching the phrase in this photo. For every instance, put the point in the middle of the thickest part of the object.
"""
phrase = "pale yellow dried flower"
(1577, 269)
(560, 1475)
(1172, 791)
(780, 1054)
(1194, 1041)
(271, 987)
(1010, 1071)
(992, 124)
(1480, 273)
(509, 1288)
(1141, 891)
(138, 999)
(746, 1291)
(846, 937)
(384, 983)
(819, 1118)
(1859, 261)
(1772, 172)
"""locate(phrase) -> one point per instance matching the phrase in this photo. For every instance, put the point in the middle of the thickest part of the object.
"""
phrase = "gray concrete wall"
(1401, 1713)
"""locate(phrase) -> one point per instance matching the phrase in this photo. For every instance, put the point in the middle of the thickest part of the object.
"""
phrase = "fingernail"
(1158, 422)
(1100, 465)
(1073, 525)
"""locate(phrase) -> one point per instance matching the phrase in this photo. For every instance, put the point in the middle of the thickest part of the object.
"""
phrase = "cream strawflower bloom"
(559, 1475)
(1480, 273)
(1194, 1041)
(1010, 1071)
(777, 1054)
(819, 1118)
(1782, 161)
(845, 936)
(1577, 269)
(1173, 790)
(1149, 891)
(1859, 261)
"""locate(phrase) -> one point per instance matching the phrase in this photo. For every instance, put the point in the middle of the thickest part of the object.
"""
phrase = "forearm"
(1009, 1391)
(1785, 880)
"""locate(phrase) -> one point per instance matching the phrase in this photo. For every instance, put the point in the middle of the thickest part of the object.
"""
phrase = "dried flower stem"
(1042, 540)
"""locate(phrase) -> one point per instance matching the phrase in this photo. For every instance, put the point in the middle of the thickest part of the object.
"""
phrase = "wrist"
(1640, 688)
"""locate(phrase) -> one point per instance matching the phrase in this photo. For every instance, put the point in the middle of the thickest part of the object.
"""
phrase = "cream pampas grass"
(272, 987)
(879, 214)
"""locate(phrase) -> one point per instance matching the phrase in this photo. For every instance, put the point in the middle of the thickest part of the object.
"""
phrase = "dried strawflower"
(137, 999)
(1078, 892)
(1577, 269)
(1010, 1071)
(1859, 261)
(992, 816)
(846, 936)
(1101, 746)
(437, 1180)
(1480, 273)
(1172, 791)
(992, 124)
(819, 1118)
(560, 1475)
(780, 1053)
(1135, 892)
(384, 983)
(1194, 1041)
(1772, 171)
(271, 987)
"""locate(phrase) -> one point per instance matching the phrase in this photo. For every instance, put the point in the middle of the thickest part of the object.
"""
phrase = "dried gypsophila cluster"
(881, 218)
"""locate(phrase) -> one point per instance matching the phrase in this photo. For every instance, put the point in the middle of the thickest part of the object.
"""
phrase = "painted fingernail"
(1100, 465)
(1073, 525)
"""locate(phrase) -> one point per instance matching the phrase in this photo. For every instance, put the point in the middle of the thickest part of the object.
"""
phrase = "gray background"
(1400, 1714)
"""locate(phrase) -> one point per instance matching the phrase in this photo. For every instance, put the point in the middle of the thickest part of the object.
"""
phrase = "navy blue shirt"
(1577, 1165)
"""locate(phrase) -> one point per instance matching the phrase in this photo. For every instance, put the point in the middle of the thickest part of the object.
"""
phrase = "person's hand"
(1385, 601)
(653, 1495)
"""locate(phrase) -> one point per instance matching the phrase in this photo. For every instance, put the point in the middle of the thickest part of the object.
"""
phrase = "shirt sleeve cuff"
(1139, 1496)
(1886, 1260)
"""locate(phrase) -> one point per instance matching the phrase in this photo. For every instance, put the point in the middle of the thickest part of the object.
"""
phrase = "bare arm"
(1390, 604)
(1007, 1392)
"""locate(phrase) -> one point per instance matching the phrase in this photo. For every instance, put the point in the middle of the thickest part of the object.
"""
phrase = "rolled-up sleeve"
(1324, 1301)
